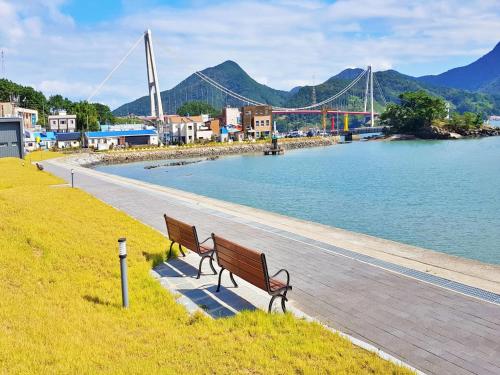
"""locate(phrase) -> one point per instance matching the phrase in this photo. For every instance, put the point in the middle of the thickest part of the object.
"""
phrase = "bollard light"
(122, 251)
(72, 178)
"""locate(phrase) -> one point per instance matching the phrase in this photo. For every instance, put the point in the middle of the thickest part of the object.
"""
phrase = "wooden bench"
(185, 235)
(251, 266)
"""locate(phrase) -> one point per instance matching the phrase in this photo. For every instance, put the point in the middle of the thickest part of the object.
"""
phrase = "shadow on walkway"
(180, 277)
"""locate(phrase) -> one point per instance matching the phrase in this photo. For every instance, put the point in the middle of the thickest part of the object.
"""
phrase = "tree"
(416, 112)
(58, 102)
(86, 116)
(196, 108)
(104, 113)
(467, 121)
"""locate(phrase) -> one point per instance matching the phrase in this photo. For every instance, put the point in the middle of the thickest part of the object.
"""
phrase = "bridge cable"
(94, 93)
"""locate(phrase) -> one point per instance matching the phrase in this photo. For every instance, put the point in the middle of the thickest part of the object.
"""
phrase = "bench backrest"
(182, 233)
(246, 263)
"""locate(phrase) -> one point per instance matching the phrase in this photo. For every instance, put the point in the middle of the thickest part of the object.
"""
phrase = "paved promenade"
(421, 321)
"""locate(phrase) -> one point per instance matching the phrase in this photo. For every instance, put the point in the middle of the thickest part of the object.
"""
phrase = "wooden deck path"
(431, 328)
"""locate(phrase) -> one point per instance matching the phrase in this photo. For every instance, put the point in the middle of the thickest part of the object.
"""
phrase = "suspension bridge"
(355, 98)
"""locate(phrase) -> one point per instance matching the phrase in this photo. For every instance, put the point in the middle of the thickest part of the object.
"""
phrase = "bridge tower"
(153, 84)
(369, 91)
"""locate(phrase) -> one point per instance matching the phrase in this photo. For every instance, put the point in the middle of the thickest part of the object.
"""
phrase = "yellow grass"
(40, 155)
(60, 300)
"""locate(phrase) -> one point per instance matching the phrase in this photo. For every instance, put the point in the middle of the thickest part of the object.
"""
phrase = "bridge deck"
(433, 329)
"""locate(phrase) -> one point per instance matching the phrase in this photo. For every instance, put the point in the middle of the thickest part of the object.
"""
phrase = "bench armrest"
(205, 240)
(287, 275)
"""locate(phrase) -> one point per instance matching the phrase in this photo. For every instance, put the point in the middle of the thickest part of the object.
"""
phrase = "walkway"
(434, 329)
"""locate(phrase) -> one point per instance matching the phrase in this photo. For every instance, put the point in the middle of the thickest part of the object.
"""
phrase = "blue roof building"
(104, 140)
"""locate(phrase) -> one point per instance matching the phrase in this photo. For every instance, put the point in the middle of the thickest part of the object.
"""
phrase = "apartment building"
(257, 121)
(29, 117)
(61, 122)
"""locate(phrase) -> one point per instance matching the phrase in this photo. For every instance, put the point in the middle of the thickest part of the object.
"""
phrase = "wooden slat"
(241, 261)
(182, 233)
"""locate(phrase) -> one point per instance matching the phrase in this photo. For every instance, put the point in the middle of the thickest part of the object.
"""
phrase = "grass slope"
(60, 299)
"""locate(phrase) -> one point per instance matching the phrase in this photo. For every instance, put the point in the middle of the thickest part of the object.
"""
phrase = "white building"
(231, 116)
(187, 129)
(68, 140)
(62, 122)
(111, 139)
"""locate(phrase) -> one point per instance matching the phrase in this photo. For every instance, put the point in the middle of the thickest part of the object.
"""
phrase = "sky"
(68, 47)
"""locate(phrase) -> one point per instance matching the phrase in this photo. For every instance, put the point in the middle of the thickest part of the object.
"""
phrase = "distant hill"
(228, 74)
(476, 88)
(476, 76)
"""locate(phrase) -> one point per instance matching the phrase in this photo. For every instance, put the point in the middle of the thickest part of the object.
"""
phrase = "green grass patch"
(60, 300)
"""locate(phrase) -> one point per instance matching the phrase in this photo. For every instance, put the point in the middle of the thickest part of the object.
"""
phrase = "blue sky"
(69, 46)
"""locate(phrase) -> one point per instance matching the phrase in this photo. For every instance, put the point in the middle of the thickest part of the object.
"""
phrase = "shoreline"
(471, 272)
(91, 159)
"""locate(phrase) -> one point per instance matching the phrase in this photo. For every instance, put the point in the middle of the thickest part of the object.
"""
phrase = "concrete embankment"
(174, 152)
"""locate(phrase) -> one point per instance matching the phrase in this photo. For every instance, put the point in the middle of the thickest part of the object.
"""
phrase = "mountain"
(229, 74)
(480, 75)
(476, 76)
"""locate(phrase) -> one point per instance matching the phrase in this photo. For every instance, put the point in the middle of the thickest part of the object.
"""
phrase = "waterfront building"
(45, 139)
(29, 117)
(214, 125)
(111, 139)
(186, 129)
(231, 116)
(68, 140)
(11, 137)
(257, 121)
(61, 122)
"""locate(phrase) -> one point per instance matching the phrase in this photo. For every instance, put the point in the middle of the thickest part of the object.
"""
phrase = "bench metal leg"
(211, 261)
(182, 252)
(220, 277)
(232, 279)
(283, 300)
(170, 250)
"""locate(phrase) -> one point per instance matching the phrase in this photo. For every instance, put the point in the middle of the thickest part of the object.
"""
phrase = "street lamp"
(122, 251)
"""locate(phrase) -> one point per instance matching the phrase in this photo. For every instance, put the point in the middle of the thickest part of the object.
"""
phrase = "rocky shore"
(435, 132)
(175, 152)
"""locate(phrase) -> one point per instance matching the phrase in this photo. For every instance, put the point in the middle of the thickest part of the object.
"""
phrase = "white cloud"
(283, 42)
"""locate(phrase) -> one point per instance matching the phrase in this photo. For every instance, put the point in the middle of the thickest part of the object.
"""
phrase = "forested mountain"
(228, 74)
(477, 76)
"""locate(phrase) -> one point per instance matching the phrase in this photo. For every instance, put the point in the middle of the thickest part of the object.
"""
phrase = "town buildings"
(61, 122)
(29, 117)
(257, 121)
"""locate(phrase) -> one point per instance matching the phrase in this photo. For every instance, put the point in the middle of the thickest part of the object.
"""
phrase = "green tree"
(196, 108)
(467, 121)
(104, 113)
(87, 118)
(416, 112)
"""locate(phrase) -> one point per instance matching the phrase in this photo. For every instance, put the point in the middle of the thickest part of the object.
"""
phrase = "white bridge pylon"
(153, 84)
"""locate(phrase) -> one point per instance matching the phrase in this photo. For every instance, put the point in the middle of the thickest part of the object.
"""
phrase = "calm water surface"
(441, 195)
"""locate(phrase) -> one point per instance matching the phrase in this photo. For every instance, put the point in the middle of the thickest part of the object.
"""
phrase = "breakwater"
(176, 152)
